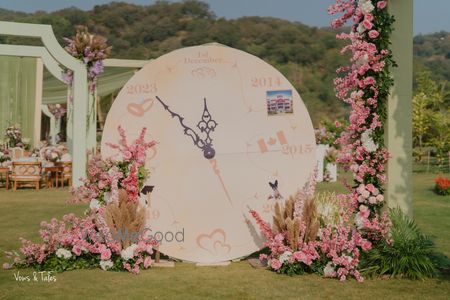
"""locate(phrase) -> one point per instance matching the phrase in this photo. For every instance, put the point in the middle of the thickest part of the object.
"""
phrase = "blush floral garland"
(364, 85)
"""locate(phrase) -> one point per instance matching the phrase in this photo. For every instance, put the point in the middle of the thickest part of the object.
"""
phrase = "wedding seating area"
(46, 166)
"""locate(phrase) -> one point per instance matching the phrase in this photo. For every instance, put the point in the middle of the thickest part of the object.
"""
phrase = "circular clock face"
(227, 124)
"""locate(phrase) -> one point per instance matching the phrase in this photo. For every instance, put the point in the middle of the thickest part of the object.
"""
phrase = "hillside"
(307, 56)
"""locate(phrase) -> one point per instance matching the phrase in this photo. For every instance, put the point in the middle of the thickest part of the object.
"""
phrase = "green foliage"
(409, 254)
(431, 108)
(299, 268)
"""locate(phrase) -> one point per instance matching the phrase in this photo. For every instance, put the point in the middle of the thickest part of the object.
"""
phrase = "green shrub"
(410, 253)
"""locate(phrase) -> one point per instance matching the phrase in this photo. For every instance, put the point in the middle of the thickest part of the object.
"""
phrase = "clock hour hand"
(206, 125)
(216, 170)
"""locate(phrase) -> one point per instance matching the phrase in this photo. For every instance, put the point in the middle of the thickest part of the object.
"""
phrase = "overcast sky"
(429, 15)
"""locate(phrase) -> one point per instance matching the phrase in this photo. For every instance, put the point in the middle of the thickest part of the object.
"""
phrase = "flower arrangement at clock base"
(313, 236)
(92, 241)
(84, 243)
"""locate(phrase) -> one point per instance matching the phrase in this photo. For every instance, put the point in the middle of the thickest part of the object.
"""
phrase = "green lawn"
(22, 211)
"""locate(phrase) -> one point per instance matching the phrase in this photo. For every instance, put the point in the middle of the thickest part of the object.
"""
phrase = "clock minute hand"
(204, 145)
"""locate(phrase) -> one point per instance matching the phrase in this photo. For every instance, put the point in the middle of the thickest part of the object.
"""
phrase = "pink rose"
(372, 200)
(369, 17)
(381, 4)
(380, 198)
(299, 256)
(105, 254)
(365, 194)
(77, 250)
(373, 34)
(127, 155)
(364, 211)
(370, 187)
(275, 264)
(367, 24)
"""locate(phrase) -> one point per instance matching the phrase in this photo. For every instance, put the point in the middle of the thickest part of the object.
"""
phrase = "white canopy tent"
(56, 59)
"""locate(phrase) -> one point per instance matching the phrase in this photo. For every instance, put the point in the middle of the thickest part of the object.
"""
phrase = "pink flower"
(367, 24)
(127, 155)
(147, 262)
(364, 211)
(105, 254)
(381, 4)
(299, 256)
(370, 187)
(366, 245)
(275, 264)
(373, 34)
(101, 184)
(380, 198)
(77, 250)
(368, 17)
(7, 266)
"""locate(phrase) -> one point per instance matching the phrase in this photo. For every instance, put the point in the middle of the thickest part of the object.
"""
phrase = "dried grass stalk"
(310, 220)
(126, 217)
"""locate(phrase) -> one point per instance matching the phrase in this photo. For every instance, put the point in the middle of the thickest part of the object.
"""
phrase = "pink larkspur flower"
(147, 262)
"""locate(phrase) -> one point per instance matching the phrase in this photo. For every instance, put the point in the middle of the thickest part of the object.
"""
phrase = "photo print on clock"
(279, 102)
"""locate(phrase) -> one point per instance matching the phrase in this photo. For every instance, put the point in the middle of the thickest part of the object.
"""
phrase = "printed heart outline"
(137, 109)
(215, 242)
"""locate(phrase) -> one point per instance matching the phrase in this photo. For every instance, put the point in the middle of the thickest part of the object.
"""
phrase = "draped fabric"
(112, 79)
(17, 94)
(18, 91)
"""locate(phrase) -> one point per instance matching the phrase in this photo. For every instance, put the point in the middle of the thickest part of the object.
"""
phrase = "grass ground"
(22, 211)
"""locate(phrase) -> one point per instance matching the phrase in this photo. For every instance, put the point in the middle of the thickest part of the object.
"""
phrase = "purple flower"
(96, 69)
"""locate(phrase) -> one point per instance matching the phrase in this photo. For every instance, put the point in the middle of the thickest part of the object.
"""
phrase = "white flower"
(285, 256)
(366, 6)
(359, 221)
(360, 28)
(95, 204)
(362, 60)
(380, 198)
(328, 271)
(367, 141)
(106, 264)
(128, 253)
(107, 197)
(61, 252)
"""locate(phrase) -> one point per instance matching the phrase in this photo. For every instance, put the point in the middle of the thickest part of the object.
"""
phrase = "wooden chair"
(66, 172)
(17, 153)
(26, 172)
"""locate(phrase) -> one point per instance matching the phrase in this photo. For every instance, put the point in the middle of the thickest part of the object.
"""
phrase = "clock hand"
(207, 124)
(217, 172)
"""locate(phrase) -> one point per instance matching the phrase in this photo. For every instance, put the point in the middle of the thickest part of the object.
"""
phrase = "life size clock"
(226, 124)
